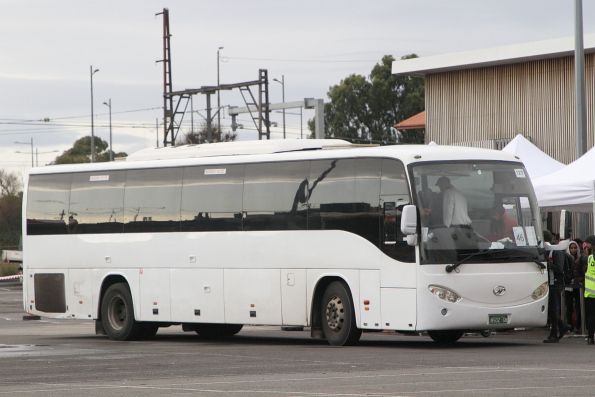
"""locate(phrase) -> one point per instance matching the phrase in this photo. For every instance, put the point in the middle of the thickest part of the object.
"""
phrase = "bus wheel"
(448, 337)
(117, 314)
(212, 331)
(338, 316)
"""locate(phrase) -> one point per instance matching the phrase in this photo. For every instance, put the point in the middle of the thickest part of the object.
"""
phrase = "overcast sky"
(48, 47)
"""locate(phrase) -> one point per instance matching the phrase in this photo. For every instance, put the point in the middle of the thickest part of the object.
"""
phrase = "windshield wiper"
(500, 253)
(451, 267)
(526, 255)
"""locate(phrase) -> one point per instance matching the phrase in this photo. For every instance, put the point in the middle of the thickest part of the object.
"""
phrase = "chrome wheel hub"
(335, 313)
(117, 313)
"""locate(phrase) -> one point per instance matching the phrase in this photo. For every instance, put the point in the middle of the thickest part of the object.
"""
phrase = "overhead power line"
(304, 60)
(78, 117)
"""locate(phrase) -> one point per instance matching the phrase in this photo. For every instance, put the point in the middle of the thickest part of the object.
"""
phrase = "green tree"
(80, 152)
(11, 199)
(193, 138)
(364, 109)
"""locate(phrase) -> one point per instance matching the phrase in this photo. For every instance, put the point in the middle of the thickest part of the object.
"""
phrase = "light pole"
(37, 155)
(579, 73)
(282, 82)
(218, 93)
(109, 105)
(32, 152)
(92, 72)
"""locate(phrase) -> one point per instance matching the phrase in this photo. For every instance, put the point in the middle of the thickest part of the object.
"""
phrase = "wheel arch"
(319, 287)
(109, 280)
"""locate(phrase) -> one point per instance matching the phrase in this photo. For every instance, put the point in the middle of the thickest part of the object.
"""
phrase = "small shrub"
(9, 269)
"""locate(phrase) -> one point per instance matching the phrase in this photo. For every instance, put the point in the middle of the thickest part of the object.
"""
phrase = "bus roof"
(270, 151)
(237, 148)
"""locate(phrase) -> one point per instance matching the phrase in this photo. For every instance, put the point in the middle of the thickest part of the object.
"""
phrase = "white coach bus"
(315, 233)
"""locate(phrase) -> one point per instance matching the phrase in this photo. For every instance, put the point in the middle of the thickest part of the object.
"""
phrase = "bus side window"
(275, 196)
(366, 220)
(152, 200)
(394, 194)
(212, 198)
(97, 202)
(47, 204)
(389, 223)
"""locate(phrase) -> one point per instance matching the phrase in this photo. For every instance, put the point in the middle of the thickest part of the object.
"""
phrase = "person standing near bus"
(574, 280)
(590, 290)
(555, 264)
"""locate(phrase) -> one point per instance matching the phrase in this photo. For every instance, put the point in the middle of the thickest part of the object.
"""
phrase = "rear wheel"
(117, 314)
(448, 337)
(338, 316)
(213, 331)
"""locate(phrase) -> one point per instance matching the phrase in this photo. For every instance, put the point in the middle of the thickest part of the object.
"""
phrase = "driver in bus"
(502, 225)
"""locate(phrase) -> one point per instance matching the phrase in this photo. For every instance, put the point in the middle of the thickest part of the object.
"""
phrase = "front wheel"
(338, 316)
(448, 337)
(117, 314)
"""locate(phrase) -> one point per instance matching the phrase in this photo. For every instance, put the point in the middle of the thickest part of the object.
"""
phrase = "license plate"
(497, 319)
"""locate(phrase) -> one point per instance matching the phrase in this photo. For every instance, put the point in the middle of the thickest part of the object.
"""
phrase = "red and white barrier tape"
(15, 277)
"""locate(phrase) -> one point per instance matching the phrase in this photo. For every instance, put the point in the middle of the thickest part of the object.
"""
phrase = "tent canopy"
(572, 187)
(536, 162)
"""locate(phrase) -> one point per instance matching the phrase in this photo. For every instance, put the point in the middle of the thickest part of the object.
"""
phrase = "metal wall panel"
(496, 103)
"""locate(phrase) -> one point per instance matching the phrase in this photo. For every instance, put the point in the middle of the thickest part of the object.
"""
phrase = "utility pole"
(581, 118)
(579, 73)
(282, 82)
(301, 122)
(168, 110)
(209, 125)
(32, 151)
(92, 72)
(192, 114)
(109, 105)
(218, 93)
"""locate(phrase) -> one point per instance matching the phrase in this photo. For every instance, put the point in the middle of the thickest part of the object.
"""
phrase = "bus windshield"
(470, 207)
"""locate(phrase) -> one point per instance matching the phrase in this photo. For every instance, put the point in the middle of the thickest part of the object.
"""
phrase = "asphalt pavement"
(65, 358)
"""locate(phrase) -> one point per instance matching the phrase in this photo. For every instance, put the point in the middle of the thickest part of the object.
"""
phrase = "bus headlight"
(444, 293)
(540, 291)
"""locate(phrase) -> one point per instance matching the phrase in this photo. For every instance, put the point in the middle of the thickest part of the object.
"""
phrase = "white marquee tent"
(572, 187)
(536, 162)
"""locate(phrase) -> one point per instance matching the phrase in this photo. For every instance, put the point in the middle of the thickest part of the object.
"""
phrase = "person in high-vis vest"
(590, 290)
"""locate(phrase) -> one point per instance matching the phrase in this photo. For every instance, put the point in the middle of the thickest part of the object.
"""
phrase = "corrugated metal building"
(485, 98)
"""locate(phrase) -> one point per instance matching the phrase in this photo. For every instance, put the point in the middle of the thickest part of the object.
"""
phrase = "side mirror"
(409, 220)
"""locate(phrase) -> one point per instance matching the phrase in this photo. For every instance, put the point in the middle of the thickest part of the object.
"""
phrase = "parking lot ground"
(64, 358)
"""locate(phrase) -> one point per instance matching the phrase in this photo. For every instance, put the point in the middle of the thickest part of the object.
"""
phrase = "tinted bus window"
(275, 196)
(212, 198)
(366, 217)
(152, 200)
(47, 204)
(332, 194)
(97, 202)
(394, 194)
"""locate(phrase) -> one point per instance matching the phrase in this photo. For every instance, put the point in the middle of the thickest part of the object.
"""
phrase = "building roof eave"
(517, 53)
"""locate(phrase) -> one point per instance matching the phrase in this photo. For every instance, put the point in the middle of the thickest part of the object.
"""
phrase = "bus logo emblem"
(499, 290)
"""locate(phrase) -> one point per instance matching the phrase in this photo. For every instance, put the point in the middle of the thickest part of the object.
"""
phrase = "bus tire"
(446, 337)
(214, 331)
(117, 314)
(337, 316)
